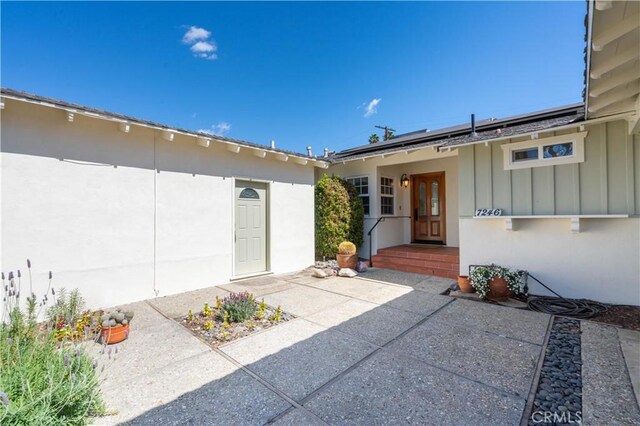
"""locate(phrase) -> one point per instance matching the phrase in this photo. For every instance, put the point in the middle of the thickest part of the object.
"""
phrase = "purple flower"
(4, 398)
(28, 263)
(73, 377)
(19, 276)
(53, 291)
(50, 275)
(66, 359)
(11, 275)
(3, 276)
(78, 352)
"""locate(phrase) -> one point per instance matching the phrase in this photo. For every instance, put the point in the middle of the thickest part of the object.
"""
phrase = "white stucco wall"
(602, 262)
(123, 216)
(396, 229)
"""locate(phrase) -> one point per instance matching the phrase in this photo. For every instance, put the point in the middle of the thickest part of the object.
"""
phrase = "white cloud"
(195, 33)
(204, 46)
(220, 129)
(205, 49)
(223, 127)
(201, 44)
(372, 107)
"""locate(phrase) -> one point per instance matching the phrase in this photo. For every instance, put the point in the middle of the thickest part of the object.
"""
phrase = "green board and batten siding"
(607, 182)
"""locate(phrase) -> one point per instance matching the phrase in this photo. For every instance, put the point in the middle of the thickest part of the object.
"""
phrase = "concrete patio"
(382, 348)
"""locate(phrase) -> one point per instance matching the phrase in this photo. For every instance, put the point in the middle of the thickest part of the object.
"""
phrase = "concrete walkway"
(383, 348)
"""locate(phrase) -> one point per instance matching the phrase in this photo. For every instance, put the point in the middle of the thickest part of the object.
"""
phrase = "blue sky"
(300, 73)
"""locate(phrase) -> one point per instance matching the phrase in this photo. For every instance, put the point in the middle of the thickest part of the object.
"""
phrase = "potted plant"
(495, 282)
(115, 326)
(347, 257)
(464, 284)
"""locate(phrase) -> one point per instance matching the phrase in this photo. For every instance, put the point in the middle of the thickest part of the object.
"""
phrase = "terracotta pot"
(347, 260)
(464, 284)
(117, 334)
(498, 289)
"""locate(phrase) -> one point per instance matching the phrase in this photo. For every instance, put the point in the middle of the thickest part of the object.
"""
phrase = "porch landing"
(421, 259)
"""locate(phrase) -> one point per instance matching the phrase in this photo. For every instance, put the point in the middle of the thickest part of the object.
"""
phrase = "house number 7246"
(488, 212)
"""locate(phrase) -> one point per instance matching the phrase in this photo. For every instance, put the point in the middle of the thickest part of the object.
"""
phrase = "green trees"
(339, 215)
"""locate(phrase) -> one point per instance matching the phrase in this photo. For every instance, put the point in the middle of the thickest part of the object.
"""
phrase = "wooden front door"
(428, 205)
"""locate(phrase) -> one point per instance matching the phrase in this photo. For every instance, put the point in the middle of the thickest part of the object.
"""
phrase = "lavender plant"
(42, 380)
(238, 306)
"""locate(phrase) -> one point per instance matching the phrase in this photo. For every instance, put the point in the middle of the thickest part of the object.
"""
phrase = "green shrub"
(339, 215)
(356, 216)
(239, 306)
(42, 383)
(67, 307)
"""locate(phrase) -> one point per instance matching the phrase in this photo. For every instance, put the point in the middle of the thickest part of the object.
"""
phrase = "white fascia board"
(119, 121)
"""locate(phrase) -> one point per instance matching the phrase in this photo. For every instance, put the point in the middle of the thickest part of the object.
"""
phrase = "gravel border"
(558, 399)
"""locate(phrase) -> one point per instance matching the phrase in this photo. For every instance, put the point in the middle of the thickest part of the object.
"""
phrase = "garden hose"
(576, 308)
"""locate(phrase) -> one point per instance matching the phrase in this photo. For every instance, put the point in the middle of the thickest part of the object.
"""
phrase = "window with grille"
(362, 185)
(386, 196)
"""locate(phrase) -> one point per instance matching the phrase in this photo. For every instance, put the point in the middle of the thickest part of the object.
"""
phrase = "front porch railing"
(380, 219)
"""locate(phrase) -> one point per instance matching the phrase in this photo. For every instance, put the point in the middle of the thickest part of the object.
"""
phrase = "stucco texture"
(128, 216)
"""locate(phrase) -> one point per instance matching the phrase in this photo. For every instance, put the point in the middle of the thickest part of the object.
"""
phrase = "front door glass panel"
(435, 199)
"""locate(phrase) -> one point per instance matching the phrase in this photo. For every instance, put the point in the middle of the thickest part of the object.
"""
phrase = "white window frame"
(368, 194)
(577, 157)
(392, 195)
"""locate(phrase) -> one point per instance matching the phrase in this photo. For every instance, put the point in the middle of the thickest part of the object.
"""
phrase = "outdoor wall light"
(404, 180)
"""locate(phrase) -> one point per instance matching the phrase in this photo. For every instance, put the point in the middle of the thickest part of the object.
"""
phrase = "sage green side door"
(251, 227)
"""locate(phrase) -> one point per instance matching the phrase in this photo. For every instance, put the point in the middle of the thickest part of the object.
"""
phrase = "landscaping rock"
(560, 391)
(330, 272)
(319, 273)
(361, 267)
(347, 273)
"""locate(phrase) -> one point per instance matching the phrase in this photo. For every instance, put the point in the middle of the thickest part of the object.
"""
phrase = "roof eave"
(120, 119)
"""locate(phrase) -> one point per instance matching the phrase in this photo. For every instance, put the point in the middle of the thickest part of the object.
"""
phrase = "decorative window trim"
(392, 195)
(367, 195)
(577, 139)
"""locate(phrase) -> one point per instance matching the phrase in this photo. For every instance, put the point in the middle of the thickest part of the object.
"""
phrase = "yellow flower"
(207, 310)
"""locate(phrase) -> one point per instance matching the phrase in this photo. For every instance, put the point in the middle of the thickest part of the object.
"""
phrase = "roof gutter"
(574, 125)
(587, 72)
(313, 161)
(389, 153)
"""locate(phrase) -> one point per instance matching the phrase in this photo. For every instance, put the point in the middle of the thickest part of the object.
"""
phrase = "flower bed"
(233, 317)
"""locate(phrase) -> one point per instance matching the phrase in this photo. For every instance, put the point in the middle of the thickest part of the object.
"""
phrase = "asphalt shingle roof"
(461, 135)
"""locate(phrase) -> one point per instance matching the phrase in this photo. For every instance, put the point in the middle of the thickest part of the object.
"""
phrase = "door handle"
(415, 214)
